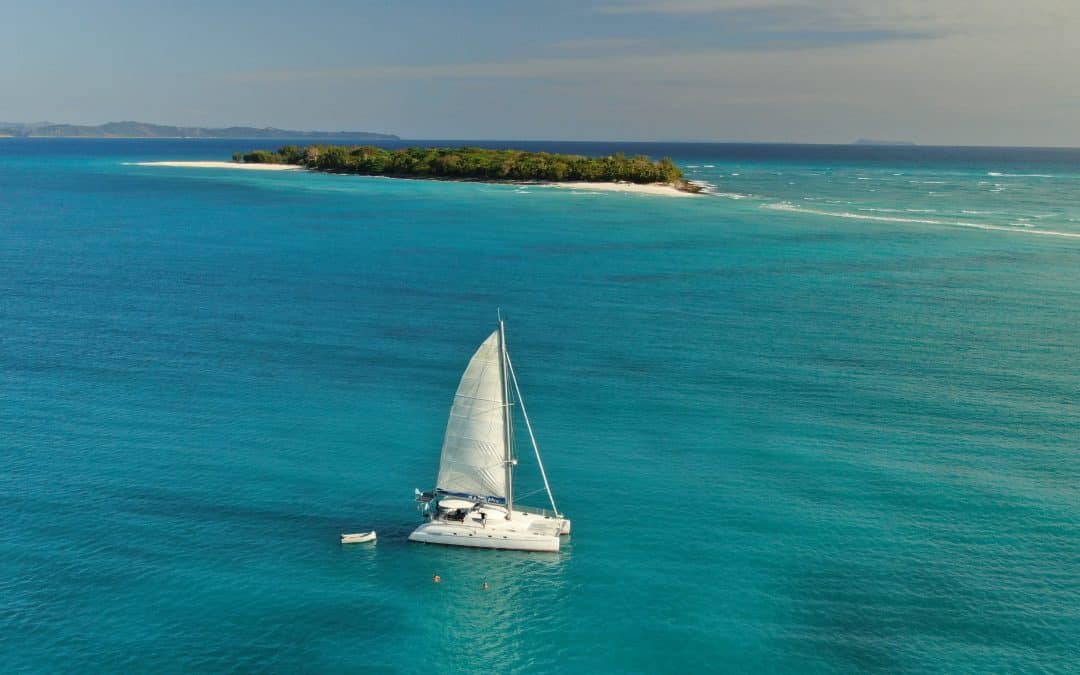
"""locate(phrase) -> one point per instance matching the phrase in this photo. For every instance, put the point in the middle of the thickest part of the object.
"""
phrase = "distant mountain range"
(145, 130)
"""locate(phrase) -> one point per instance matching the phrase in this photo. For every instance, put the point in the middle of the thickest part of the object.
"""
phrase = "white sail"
(474, 449)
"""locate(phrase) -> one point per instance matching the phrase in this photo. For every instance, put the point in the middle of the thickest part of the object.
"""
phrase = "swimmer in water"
(436, 578)
(485, 586)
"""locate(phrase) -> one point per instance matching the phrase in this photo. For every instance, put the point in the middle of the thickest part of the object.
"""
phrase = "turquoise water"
(822, 420)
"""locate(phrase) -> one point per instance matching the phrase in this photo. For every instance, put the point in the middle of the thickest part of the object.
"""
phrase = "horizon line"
(399, 139)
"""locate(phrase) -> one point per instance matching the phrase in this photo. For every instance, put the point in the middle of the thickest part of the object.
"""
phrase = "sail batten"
(474, 449)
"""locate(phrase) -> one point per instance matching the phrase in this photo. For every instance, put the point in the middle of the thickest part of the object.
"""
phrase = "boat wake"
(787, 206)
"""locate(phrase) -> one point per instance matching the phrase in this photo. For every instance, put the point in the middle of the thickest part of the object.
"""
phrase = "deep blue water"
(824, 419)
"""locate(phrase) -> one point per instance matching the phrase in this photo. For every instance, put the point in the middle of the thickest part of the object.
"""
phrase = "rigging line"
(528, 425)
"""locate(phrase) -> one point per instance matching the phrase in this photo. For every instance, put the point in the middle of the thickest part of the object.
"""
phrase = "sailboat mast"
(509, 460)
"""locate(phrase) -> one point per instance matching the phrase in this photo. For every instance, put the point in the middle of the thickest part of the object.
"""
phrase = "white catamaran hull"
(525, 532)
(455, 535)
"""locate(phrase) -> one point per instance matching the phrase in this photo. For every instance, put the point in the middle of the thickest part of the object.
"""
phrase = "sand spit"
(226, 165)
(636, 188)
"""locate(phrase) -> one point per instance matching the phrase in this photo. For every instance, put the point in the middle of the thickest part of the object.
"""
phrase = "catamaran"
(473, 500)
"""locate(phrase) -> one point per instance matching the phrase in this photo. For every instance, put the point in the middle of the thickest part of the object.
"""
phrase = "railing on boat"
(547, 513)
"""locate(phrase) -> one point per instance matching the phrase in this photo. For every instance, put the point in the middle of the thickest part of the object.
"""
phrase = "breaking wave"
(712, 189)
(1026, 229)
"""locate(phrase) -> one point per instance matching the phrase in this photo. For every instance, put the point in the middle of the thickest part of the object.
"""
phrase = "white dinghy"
(473, 500)
(358, 538)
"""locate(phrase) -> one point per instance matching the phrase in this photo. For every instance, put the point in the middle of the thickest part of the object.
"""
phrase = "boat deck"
(524, 531)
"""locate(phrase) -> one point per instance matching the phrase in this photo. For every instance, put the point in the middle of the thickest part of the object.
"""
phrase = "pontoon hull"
(488, 528)
(458, 535)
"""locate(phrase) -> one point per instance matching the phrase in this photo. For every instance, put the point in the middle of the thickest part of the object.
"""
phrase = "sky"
(947, 72)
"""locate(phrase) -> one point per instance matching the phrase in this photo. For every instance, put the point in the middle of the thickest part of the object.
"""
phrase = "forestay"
(474, 450)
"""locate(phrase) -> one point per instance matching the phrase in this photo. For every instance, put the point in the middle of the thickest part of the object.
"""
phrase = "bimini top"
(474, 451)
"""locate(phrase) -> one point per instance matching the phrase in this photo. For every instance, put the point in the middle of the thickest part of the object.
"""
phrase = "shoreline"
(657, 189)
(226, 165)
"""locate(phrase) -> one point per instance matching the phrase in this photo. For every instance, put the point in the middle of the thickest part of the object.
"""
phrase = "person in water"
(484, 586)
(436, 578)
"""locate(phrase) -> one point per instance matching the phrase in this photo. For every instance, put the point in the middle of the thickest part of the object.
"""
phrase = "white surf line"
(921, 221)
(225, 165)
(636, 188)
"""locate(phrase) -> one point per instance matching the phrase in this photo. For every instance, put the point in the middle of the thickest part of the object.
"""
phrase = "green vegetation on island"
(473, 164)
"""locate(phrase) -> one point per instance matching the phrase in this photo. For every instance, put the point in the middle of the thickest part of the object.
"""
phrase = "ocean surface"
(824, 419)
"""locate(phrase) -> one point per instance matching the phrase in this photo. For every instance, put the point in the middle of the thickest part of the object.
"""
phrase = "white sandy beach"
(635, 188)
(226, 165)
(649, 189)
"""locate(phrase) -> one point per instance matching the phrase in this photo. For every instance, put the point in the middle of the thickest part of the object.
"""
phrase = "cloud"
(825, 71)
(600, 44)
(981, 71)
(921, 16)
(686, 6)
(956, 86)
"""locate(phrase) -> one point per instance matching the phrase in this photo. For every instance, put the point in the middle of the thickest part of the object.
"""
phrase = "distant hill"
(145, 130)
(874, 141)
(22, 125)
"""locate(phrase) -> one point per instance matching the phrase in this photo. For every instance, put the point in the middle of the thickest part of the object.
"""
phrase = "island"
(478, 164)
(877, 141)
(146, 130)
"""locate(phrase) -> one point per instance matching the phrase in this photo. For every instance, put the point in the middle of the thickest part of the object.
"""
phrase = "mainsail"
(474, 450)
